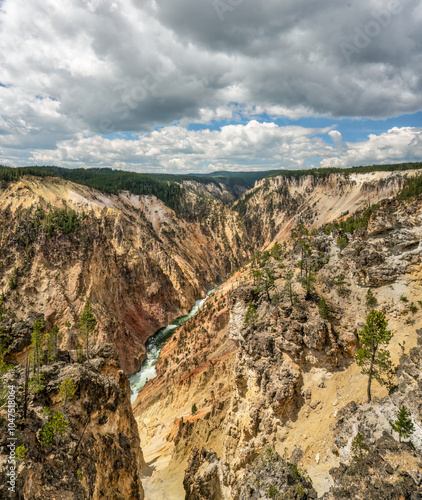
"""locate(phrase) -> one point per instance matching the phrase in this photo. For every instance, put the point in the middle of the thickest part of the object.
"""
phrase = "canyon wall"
(138, 263)
(228, 393)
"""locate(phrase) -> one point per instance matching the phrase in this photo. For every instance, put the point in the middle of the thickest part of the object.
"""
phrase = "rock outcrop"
(139, 264)
(94, 454)
(291, 366)
(202, 481)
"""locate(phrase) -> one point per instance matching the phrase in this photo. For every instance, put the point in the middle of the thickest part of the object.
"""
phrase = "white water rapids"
(154, 345)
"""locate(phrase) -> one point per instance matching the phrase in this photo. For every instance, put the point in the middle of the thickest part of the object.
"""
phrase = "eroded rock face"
(379, 476)
(271, 476)
(390, 245)
(275, 205)
(389, 469)
(138, 263)
(99, 456)
(292, 351)
(202, 477)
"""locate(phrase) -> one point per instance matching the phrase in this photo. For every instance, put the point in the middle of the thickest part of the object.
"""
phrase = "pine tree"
(308, 281)
(403, 425)
(37, 343)
(324, 309)
(373, 359)
(301, 238)
(252, 315)
(370, 299)
(276, 251)
(288, 285)
(87, 323)
(67, 390)
(266, 281)
(53, 340)
(359, 449)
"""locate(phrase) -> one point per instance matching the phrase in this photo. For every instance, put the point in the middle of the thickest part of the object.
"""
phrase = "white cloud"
(236, 147)
(394, 146)
(336, 137)
(95, 67)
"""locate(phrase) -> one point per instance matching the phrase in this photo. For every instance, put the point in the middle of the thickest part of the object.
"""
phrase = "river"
(154, 345)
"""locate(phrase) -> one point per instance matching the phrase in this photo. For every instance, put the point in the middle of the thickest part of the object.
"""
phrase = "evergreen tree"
(266, 281)
(288, 285)
(37, 343)
(308, 281)
(252, 315)
(373, 359)
(370, 299)
(324, 309)
(87, 323)
(53, 340)
(359, 449)
(301, 239)
(403, 425)
(276, 251)
(67, 390)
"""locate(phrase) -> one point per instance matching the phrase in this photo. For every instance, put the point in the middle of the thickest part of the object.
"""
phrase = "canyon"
(261, 404)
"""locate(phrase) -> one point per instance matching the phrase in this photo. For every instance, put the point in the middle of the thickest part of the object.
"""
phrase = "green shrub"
(371, 300)
(403, 425)
(55, 429)
(359, 448)
(21, 452)
(251, 315)
(324, 309)
(412, 308)
(272, 491)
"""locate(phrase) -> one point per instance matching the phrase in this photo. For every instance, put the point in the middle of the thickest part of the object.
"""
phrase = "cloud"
(336, 137)
(252, 146)
(394, 146)
(101, 67)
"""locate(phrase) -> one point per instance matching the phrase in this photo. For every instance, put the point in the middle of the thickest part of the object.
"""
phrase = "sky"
(196, 86)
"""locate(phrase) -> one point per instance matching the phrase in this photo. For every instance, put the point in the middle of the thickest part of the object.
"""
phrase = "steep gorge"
(139, 264)
(278, 383)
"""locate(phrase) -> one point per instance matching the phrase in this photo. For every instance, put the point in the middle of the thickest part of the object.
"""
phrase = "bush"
(55, 429)
(359, 449)
(342, 243)
(272, 491)
(371, 300)
(412, 308)
(20, 453)
(324, 309)
(251, 315)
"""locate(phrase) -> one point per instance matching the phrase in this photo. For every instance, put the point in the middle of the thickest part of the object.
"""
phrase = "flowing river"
(154, 345)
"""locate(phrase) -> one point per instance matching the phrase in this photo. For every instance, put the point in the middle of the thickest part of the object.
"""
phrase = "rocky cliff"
(258, 395)
(229, 389)
(274, 206)
(138, 262)
(84, 447)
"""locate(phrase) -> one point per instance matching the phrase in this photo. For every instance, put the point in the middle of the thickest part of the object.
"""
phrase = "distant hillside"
(170, 188)
(325, 172)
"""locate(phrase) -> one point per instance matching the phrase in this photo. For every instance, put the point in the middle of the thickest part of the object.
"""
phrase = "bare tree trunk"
(25, 397)
(370, 375)
(369, 388)
(87, 351)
